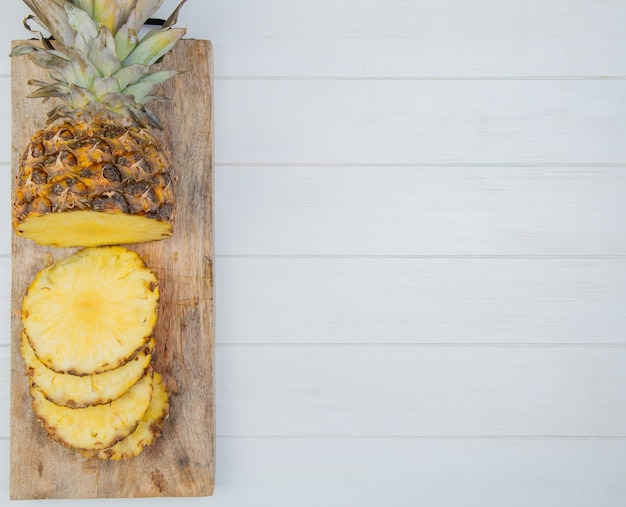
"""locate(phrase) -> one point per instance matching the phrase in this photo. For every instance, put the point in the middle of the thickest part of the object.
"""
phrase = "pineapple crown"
(100, 66)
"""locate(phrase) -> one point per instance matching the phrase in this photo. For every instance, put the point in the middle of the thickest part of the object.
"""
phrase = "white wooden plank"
(284, 472)
(437, 473)
(5, 301)
(412, 391)
(5, 127)
(407, 18)
(564, 26)
(464, 301)
(419, 57)
(374, 38)
(5, 209)
(412, 122)
(348, 391)
(420, 211)
(5, 392)
(420, 122)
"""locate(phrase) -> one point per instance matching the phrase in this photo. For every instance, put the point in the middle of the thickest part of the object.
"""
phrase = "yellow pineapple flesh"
(96, 426)
(91, 312)
(92, 184)
(148, 430)
(77, 391)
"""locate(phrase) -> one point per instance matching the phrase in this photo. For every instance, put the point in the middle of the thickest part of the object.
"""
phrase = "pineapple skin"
(96, 426)
(99, 166)
(146, 433)
(79, 391)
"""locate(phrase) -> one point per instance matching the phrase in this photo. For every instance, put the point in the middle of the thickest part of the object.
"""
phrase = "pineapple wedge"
(92, 311)
(147, 432)
(97, 426)
(76, 391)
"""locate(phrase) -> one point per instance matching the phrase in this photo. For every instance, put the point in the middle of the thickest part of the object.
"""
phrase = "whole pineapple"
(96, 174)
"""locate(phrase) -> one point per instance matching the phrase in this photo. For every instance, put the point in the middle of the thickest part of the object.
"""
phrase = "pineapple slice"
(92, 228)
(97, 426)
(92, 311)
(147, 432)
(76, 391)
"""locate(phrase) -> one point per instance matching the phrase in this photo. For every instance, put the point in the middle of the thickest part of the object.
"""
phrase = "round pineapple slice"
(76, 391)
(148, 430)
(92, 311)
(97, 426)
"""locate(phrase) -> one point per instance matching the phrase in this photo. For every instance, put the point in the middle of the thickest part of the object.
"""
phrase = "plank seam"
(414, 437)
(444, 345)
(410, 78)
(504, 257)
(415, 165)
(430, 437)
(420, 78)
(532, 345)
(428, 256)
(420, 165)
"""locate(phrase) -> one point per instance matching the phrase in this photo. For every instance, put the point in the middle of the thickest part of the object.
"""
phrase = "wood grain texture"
(336, 472)
(420, 57)
(420, 122)
(398, 39)
(421, 472)
(559, 211)
(403, 390)
(5, 211)
(421, 301)
(181, 463)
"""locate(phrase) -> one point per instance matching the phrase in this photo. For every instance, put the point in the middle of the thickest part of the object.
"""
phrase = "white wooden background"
(421, 252)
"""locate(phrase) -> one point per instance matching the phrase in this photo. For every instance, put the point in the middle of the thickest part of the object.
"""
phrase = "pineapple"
(76, 391)
(97, 426)
(97, 174)
(91, 312)
(147, 431)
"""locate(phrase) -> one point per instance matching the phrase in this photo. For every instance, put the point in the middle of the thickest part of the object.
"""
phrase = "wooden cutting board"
(182, 461)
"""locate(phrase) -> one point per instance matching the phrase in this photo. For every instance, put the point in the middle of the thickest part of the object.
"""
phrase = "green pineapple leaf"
(154, 45)
(102, 53)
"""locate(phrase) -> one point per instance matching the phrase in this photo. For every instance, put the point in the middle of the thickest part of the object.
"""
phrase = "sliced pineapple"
(76, 391)
(92, 311)
(91, 228)
(98, 154)
(147, 432)
(97, 426)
